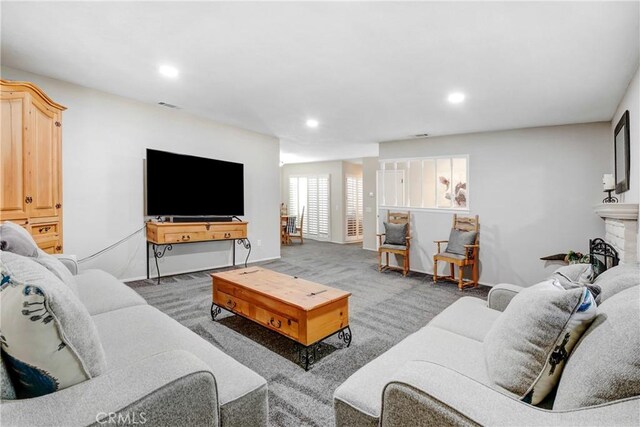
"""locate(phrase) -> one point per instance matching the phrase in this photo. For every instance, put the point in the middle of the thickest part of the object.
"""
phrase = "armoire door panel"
(44, 162)
(14, 118)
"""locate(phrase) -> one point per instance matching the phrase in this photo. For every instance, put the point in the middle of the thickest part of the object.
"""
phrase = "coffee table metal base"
(307, 354)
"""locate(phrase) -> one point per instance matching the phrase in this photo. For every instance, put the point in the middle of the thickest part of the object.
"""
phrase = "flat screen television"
(183, 185)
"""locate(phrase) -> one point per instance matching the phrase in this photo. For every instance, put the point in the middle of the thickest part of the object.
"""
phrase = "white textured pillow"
(49, 341)
(527, 346)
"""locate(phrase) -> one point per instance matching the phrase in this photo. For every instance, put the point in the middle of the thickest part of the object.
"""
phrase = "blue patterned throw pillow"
(48, 339)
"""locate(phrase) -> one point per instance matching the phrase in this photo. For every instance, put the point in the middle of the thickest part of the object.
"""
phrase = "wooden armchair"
(468, 256)
(397, 249)
(297, 233)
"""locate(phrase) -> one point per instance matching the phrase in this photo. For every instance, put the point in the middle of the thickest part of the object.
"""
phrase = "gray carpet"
(384, 309)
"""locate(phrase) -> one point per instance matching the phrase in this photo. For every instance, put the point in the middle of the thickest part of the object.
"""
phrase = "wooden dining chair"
(395, 244)
(462, 250)
(296, 233)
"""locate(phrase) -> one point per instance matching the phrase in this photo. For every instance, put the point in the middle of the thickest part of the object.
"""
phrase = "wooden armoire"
(31, 162)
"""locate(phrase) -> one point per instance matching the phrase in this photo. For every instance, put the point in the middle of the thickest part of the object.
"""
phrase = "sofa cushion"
(458, 239)
(358, 399)
(395, 234)
(16, 239)
(605, 365)
(468, 317)
(133, 333)
(528, 344)
(49, 341)
(617, 279)
(56, 266)
(100, 292)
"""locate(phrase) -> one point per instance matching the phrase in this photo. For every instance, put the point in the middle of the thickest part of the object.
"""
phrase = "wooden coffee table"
(303, 311)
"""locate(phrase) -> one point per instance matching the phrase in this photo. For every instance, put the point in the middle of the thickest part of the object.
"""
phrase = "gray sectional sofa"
(156, 367)
(437, 376)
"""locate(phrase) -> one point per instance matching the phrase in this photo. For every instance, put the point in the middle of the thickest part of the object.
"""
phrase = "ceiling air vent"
(165, 104)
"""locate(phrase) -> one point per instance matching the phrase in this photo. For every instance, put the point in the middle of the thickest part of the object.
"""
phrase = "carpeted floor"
(384, 309)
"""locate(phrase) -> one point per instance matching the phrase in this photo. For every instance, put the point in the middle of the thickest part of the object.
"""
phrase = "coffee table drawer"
(232, 303)
(277, 323)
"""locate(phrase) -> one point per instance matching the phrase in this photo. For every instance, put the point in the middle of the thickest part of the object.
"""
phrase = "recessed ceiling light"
(168, 71)
(456, 97)
(312, 123)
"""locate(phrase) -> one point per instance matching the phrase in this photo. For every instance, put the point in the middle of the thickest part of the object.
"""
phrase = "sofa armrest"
(69, 261)
(501, 295)
(425, 393)
(171, 388)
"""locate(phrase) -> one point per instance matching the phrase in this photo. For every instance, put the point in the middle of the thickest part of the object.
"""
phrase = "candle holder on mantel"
(609, 198)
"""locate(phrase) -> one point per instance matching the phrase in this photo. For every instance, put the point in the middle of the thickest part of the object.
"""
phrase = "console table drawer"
(276, 322)
(229, 235)
(186, 237)
(231, 303)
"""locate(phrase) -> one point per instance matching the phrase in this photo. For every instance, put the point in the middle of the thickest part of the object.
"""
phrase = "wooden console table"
(167, 234)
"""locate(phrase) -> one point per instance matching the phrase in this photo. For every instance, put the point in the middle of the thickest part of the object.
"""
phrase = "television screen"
(179, 184)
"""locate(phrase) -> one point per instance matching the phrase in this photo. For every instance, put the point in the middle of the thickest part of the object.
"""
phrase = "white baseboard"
(175, 273)
(430, 273)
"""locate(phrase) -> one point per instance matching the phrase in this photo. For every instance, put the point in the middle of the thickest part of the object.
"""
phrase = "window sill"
(434, 210)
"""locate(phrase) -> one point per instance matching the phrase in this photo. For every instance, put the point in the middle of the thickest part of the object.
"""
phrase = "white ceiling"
(368, 72)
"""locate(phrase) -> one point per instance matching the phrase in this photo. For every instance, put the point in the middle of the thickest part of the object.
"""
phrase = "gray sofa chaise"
(156, 367)
(437, 376)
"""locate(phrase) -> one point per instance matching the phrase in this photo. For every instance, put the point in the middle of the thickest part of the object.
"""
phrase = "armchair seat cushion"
(447, 255)
(393, 247)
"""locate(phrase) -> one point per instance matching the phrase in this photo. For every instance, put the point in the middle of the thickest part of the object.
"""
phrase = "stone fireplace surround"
(621, 229)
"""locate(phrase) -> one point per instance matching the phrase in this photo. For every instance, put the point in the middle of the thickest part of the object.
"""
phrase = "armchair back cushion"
(395, 234)
(459, 238)
(605, 365)
(527, 345)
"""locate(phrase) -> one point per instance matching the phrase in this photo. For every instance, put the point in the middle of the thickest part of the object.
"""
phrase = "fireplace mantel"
(617, 210)
(621, 228)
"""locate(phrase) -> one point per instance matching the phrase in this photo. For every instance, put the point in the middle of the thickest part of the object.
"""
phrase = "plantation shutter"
(310, 193)
(354, 207)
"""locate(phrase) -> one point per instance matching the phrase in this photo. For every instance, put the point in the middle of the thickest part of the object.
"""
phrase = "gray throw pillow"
(457, 240)
(395, 234)
(574, 275)
(49, 340)
(527, 346)
(605, 365)
(16, 239)
(55, 266)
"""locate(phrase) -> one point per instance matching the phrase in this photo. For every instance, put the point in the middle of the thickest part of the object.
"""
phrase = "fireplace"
(621, 229)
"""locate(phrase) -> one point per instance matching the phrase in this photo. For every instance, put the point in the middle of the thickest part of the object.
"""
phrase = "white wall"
(336, 177)
(369, 223)
(631, 101)
(534, 190)
(104, 141)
